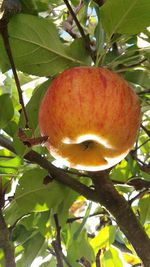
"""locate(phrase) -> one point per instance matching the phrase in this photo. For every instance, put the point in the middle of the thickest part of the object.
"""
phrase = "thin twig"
(145, 130)
(68, 23)
(57, 243)
(58, 230)
(58, 253)
(58, 239)
(139, 195)
(51, 251)
(147, 91)
(76, 20)
(71, 220)
(84, 261)
(98, 263)
(63, 256)
(85, 38)
(5, 36)
(146, 141)
(143, 166)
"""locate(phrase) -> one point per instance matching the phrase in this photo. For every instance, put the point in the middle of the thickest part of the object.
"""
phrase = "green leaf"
(20, 234)
(32, 108)
(50, 263)
(36, 47)
(19, 147)
(31, 250)
(140, 77)
(111, 258)
(144, 207)
(124, 170)
(34, 6)
(11, 128)
(80, 247)
(6, 110)
(2, 258)
(79, 51)
(10, 166)
(28, 6)
(33, 195)
(63, 209)
(87, 213)
(36, 220)
(104, 238)
(127, 17)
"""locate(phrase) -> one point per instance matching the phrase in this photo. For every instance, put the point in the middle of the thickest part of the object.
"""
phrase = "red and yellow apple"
(91, 117)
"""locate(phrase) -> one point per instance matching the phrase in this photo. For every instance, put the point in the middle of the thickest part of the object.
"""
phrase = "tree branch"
(58, 253)
(55, 172)
(104, 193)
(5, 243)
(109, 197)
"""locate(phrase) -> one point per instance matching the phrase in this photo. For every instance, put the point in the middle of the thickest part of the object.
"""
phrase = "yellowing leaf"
(104, 238)
(131, 259)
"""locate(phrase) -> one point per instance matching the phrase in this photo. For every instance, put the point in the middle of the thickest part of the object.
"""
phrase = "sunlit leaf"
(36, 47)
(111, 258)
(33, 195)
(131, 259)
(76, 249)
(31, 250)
(10, 165)
(87, 213)
(104, 238)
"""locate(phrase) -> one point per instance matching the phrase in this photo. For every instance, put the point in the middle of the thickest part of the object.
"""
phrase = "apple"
(91, 117)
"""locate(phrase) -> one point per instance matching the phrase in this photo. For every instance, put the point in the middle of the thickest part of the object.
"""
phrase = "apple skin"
(91, 117)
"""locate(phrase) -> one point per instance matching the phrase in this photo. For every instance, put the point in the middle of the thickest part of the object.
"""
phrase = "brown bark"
(115, 203)
(104, 193)
(5, 243)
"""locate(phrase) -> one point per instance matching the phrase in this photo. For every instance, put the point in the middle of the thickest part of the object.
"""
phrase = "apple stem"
(87, 144)
(115, 203)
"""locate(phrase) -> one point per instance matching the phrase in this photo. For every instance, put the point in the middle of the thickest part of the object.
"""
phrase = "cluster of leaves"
(45, 40)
